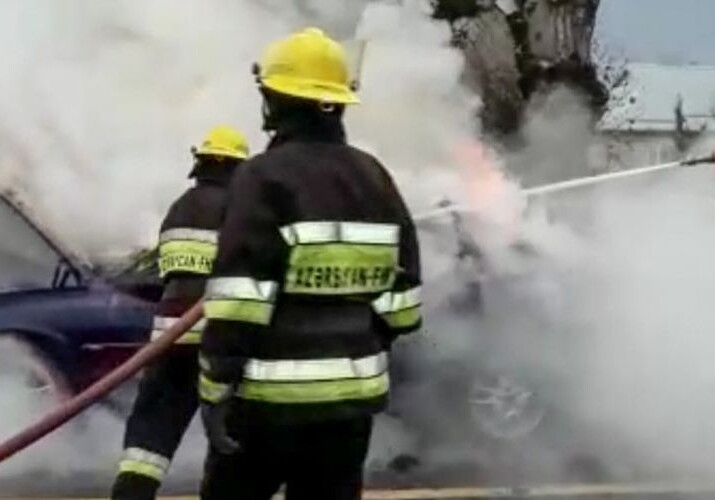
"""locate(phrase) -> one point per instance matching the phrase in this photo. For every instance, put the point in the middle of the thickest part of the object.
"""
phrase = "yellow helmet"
(308, 65)
(223, 141)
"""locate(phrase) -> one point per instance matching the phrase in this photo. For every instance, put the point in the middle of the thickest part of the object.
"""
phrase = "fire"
(492, 195)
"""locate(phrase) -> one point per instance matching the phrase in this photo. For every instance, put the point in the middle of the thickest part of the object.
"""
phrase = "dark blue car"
(63, 321)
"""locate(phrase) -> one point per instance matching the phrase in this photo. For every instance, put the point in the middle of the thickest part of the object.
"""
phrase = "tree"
(517, 50)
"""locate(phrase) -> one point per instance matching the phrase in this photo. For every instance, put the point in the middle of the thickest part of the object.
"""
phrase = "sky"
(664, 31)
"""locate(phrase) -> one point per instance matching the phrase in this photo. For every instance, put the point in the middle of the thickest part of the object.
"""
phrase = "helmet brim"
(219, 153)
(312, 91)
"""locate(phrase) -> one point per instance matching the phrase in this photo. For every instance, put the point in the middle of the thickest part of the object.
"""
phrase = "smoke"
(26, 386)
(555, 121)
(640, 303)
(597, 301)
(415, 112)
(610, 322)
(80, 458)
(100, 103)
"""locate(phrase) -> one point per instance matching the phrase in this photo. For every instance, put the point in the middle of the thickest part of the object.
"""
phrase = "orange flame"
(492, 195)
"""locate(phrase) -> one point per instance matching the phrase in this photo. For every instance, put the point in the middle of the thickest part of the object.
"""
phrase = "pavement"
(545, 492)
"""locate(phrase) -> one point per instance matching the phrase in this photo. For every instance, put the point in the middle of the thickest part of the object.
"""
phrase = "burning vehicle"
(468, 386)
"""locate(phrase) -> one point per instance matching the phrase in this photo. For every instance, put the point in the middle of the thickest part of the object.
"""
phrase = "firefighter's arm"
(185, 247)
(400, 308)
(241, 292)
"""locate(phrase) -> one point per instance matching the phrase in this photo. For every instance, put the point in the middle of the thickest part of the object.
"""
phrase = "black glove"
(214, 416)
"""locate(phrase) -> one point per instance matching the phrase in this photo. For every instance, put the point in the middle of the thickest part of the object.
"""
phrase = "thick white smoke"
(101, 101)
(639, 301)
(610, 322)
(415, 113)
(597, 299)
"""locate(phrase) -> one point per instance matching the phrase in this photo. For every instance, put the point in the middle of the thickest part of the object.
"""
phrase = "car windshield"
(27, 261)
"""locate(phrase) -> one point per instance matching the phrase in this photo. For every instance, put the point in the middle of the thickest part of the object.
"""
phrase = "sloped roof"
(648, 101)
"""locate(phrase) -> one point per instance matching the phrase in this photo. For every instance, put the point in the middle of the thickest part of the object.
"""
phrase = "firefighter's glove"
(215, 405)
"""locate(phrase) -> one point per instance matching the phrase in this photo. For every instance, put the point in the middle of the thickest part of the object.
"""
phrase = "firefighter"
(317, 273)
(167, 398)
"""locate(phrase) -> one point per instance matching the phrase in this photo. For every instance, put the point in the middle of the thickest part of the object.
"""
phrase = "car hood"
(31, 255)
(22, 207)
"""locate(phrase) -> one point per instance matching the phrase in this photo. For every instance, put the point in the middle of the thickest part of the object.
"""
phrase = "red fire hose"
(99, 389)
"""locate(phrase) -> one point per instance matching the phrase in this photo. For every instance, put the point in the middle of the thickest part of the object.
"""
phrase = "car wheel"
(29, 372)
(504, 409)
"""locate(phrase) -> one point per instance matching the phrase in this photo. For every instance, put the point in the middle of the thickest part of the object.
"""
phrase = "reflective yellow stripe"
(144, 463)
(166, 322)
(315, 369)
(341, 258)
(186, 256)
(185, 263)
(249, 311)
(240, 299)
(211, 391)
(146, 456)
(403, 319)
(397, 301)
(399, 309)
(341, 269)
(189, 338)
(187, 250)
(142, 469)
(334, 231)
(314, 392)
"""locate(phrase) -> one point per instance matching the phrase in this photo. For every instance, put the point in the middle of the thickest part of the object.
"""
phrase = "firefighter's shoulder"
(178, 207)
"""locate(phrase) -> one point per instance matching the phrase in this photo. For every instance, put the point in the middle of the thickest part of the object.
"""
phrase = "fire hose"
(599, 179)
(577, 183)
(102, 387)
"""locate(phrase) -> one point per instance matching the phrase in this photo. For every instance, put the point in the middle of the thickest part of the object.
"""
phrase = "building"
(661, 114)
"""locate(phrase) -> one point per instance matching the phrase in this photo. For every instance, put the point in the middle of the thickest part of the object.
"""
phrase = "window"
(26, 259)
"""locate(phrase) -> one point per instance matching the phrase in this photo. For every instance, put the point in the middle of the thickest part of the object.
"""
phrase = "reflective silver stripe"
(349, 232)
(204, 363)
(315, 369)
(310, 232)
(363, 232)
(187, 233)
(242, 289)
(164, 323)
(390, 302)
(147, 457)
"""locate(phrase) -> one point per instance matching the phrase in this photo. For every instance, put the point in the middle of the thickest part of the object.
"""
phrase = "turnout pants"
(318, 461)
(166, 402)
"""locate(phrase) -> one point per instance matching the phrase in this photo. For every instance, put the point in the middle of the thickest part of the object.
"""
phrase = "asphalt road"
(634, 491)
